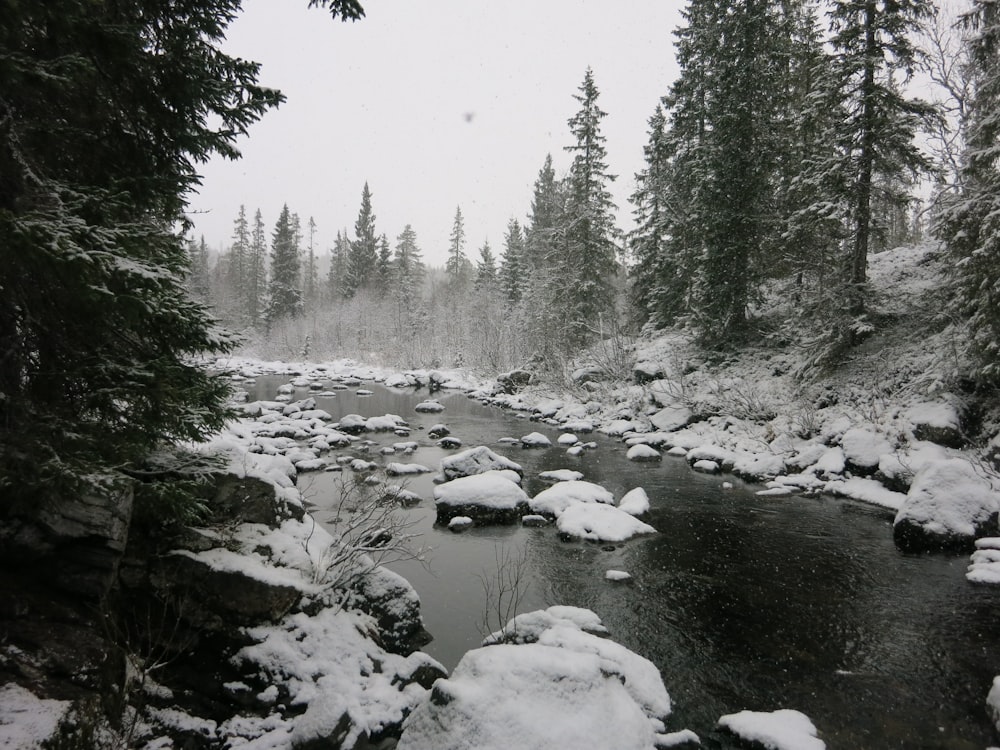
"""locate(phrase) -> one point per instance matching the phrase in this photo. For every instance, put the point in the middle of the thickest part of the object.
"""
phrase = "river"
(741, 601)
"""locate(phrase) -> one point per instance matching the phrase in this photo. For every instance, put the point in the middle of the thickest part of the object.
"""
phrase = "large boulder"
(76, 541)
(486, 498)
(513, 381)
(950, 504)
(937, 422)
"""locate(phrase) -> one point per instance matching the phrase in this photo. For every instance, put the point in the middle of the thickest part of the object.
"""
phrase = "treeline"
(783, 155)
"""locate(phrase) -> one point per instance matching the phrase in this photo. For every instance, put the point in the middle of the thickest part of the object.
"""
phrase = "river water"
(742, 602)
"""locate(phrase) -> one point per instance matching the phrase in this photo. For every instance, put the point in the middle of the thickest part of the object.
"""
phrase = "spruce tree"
(284, 295)
(383, 268)
(335, 279)
(512, 276)
(198, 276)
(106, 111)
(589, 233)
(237, 270)
(457, 267)
(310, 278)
(408, 267)
(486, 270)
(256, 287)
(874, 47)
(362, 256)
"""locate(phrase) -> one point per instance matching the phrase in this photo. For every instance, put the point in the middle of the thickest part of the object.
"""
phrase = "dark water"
(741, 601)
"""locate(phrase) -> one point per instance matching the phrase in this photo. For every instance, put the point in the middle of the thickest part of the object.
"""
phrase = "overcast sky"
(435, 104)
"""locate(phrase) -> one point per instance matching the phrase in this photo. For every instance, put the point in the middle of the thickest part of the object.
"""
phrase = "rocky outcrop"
(513, 381)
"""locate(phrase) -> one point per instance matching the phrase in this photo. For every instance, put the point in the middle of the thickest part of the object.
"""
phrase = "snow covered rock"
(937, 422)
(706, 466)
(489, 497)
(561, 475)
(634, 502)
(438, 431)
(993, 702)
(554, 500)
(984, 565)
(648, 371)
(863, 448)
(671, 418)
(784, 729)
(535, 440)
(429, 407)
(475, 461)
(567, 438)
(596, 522)
(513, 381)
(397, 469)
(949, 505)
(460, 523)
(617, 576)
(548, 683)
(643, 453)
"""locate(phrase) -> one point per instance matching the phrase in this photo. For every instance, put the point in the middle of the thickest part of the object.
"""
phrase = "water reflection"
(741, 601)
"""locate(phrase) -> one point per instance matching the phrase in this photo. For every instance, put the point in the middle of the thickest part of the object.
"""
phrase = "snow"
(596, 522)
(554, 500)
(865, 490)
(396, 469)
(26, 721)
(430, 406)
(567, 438)
(460, 523)
(706, 466)
(529, 626)
(635, 502)
(487, 490)
(863, 447)
(785, 729)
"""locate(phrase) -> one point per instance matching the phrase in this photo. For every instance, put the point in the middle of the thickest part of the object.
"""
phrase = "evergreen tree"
(335, 280)
(284, 295)
(362, 256)
(383, 268)
(237, 271)
(589, 237)
(545, 219)
(256, 287)
(310, 277)
(648, 241)
(457, 266)
(199, 282)
(873, 46)
(408, 267)
(106, 111)
(486, 270)
(512, 272)
(970, 221)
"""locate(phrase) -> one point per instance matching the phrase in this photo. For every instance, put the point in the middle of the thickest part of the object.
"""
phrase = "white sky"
(388, 100)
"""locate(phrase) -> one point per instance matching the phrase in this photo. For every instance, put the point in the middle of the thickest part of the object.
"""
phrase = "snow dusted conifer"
(362, 256)
(198, 277)
(589, 240)
(105, 114)
(457, 267)
(486, 270)
(873, 49)
(408, 266)
(969, 223)
(338, 265)
(284, 295)
(310, 278)
(257, 273)
(512, 264)
(383, 268)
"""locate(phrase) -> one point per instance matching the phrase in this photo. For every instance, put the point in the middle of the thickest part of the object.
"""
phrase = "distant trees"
(457, 267)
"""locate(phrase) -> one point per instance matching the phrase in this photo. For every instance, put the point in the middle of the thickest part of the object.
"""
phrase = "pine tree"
(362, 257)
(284, 295)
(256, 287)
(873, 47)
(512, 277)
(457, 267)
(969, 224)
(589, 239)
